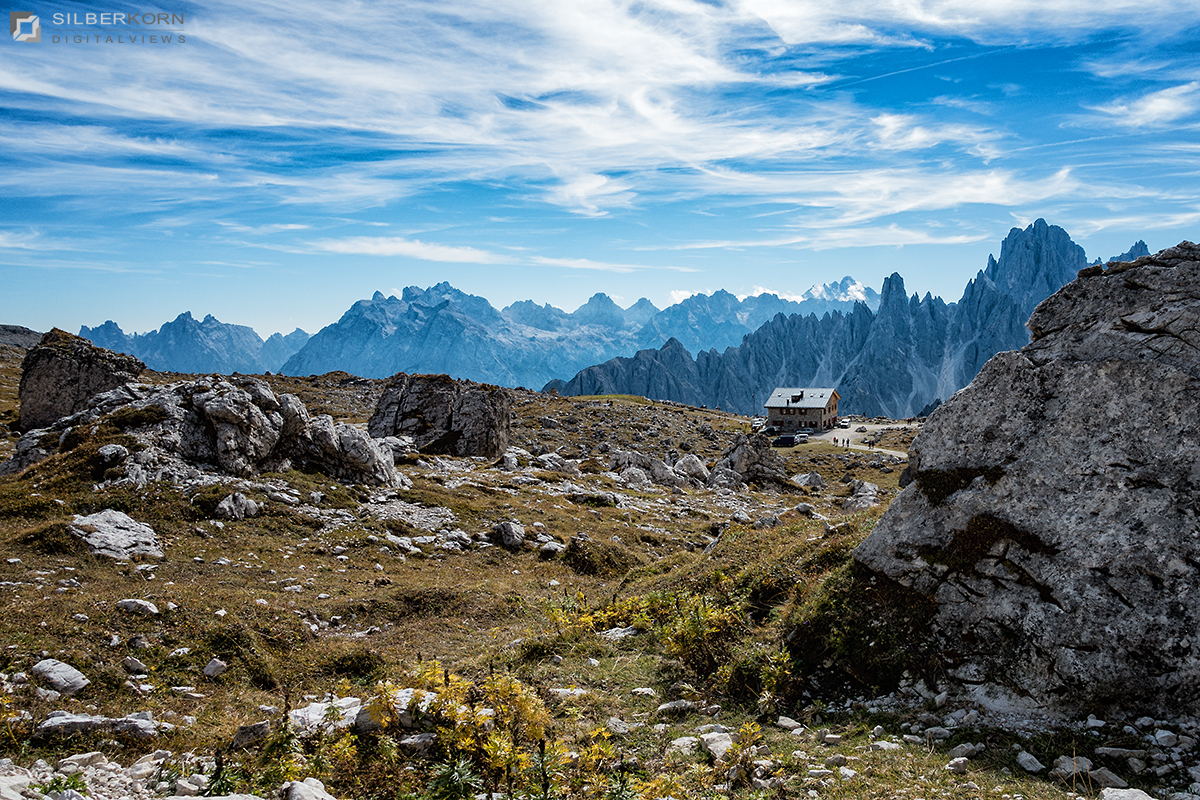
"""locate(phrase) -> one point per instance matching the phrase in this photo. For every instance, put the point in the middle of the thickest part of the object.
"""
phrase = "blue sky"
(291, 158)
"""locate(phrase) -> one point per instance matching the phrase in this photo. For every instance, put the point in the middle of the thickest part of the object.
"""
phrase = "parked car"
(844, 423)
(787, 440)
(801, 438)
(807, 431)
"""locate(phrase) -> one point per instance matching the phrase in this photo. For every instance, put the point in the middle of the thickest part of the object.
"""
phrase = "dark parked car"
(787, 440)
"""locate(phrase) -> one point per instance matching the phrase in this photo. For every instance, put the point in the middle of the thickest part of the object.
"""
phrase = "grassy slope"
(479, 613)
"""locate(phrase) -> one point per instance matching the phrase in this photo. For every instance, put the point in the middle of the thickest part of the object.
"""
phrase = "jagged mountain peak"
(893, 361)
(640, 312)
(846, 290)
(1138, 250)
(894, 294)
(1034, 262)
(185, 345)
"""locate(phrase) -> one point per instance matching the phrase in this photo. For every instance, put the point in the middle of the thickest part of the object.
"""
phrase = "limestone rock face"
(444, 415)
(1053, 518)
(237, 426)
(62, 372)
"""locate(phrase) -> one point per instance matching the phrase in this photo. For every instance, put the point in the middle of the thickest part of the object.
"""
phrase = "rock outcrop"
(749, 459)
(19, 336)
(237, 426)
(443, 415)
(63, 372)
(1054, 513)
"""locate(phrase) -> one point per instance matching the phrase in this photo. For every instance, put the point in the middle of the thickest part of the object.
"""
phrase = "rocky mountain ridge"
(891, 362)
(208, 345)
(443, 330)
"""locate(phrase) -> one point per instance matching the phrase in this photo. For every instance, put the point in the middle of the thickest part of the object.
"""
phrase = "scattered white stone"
(1067, 767)
(684, 745)
(136, 606)
(1124, 794)
(63, 677)
(1029, 763)
(677, 707)
(308, 789)
(1166, 738)
(616, 634)
(215, 668)
(1107, 779)
(958, 766)
(113, 534)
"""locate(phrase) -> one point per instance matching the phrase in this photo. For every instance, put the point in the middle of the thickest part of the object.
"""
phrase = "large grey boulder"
(236, 425)
(114, 534)
(1053, 516)
(509, 534)
(444, 415)
(63, 372)
(691, 466)
(751, 459)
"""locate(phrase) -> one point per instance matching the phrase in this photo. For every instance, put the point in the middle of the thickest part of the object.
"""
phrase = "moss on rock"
(939, 484)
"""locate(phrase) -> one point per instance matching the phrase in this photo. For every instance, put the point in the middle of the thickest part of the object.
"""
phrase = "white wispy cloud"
(280, 227)
(597, 108)
(411, 248)
(1155, 108)
(12, 240)
(586, 263)
(895, 22)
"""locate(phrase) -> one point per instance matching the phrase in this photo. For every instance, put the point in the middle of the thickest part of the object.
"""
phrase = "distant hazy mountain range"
(887, 353)
(185, 345)
(892, 362)
(441, 329)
